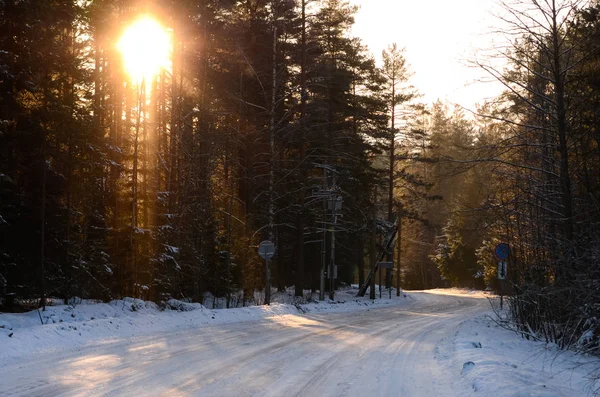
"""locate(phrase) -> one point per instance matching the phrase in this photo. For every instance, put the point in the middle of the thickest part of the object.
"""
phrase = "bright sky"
(440, 36)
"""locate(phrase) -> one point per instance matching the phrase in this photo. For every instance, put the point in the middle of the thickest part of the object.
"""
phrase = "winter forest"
(267, 120)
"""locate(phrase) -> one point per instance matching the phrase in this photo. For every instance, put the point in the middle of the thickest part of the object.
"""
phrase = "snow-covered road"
(378, 352)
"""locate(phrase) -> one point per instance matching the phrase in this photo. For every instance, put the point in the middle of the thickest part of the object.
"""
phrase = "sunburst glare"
(146, 49)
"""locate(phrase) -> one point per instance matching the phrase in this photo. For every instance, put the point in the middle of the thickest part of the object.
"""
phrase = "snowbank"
(494, 361)
(68, 327)
(346, 300)
(65, 327)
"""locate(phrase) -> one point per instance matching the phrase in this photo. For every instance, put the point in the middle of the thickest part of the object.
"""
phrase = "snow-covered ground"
(495, 361)
(472, 293)
(86, 323)
(424, 344)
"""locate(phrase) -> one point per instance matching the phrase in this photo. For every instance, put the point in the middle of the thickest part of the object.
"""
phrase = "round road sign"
(502, 251)
(266, 249)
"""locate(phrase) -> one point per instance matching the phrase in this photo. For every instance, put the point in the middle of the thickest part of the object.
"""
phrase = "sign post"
(266, 250)
(502, 252)
(384, 265)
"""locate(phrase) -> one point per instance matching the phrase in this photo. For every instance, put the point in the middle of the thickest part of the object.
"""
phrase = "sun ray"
(146, 49)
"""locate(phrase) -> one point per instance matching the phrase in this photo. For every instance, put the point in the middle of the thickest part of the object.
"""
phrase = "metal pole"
(501, 294)
(399, 242)
(372, 293)
(323, 242)
(322, 283)
(332, 261)
(268, 284)
(379, 270)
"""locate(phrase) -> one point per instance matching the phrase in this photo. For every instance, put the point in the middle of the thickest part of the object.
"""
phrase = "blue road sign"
(502, 251)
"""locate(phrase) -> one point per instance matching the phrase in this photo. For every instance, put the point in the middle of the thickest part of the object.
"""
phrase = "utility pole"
(323, 242)
(299, 282)
(331, 204)
(272, 157)
(43, 225)
(373, 248)
(335, 203)
(399, 242)
(332, 259)
(371, 276)
(332, 201)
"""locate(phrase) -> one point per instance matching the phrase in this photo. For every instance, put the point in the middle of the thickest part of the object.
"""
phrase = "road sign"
(266, 249)
(502, 270)
(502, 251)
(385, 265)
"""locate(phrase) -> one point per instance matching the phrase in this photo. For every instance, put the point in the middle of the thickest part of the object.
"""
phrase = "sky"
(440, 37)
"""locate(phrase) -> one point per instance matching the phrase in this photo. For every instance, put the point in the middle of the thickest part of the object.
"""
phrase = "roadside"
(494, 361)
(85, 323)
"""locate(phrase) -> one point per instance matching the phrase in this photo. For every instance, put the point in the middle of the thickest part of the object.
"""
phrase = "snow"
(345, 295)
(464, 292)
(88, 322)
(67, 327)
(495, 361)
(439, 342)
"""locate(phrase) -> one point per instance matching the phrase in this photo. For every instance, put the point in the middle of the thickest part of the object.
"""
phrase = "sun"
(146, 49)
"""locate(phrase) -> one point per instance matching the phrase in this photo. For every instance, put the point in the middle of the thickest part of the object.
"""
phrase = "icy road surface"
(385, 351)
